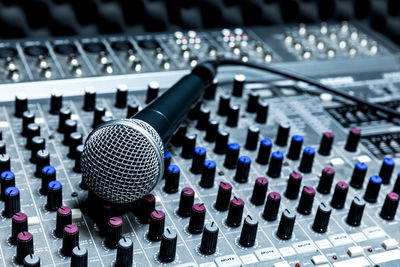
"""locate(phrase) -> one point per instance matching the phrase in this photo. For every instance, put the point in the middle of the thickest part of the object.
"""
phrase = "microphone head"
(122, 160)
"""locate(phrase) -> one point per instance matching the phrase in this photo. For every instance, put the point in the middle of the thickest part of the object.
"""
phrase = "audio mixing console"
(264, 172)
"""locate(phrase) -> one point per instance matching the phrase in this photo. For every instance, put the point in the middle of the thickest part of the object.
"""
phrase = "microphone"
(123, 160)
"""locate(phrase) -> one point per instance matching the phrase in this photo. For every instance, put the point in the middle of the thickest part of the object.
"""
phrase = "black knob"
(21, 104)
(90, 99)
(386, 170)
(203, 117)
(75, 139)
(262, 108)
(42, 160)
(234, 218)
(232, 155)
(209, 239)
(63, 115)
(396, 187)
(252, 101)
(355, 212)
(2, 147)
(177, 139)
(5, 163)
(221, 142)
(31, 131)
(353, 139)
(124, 253)
(156, 226)
(24, 246)
(99, 112)
(243, 169)
(11, 201)
(19, 224)
(56, 101)
(389, 207)
(70, 239)
(195, 111)
(282, 134)
(70, 126)
(358, 176)
(189, 143)
(264, 151)
(325, 146)
(167, 162)
(208, 174)
(339, 195)
(198, 160)
(79, 257)
(209, 93)
(7, 179)
(295, 147)
(249, 232)
(233, 115)
(252, 138)
(321, 220)
(259, 191)
(133, 108)
(271, 208)
(286, 225)
(223, 106)
(325, 182)
(172, 179)
(224, 196)
(307, 160)
(38, 143)
(186, 202)
(168, 246)
(78, 157)
(197, 218)
(238, 84)
(114, 232)
(121, 96)
(31, 260)
(54, 195)
(211, 131)
(372, 190)
(293, 185)
(152, 91)
(275, 166)
(306, 200)
(48, 175)
(64, 218)
(27, 118)
(146, 206)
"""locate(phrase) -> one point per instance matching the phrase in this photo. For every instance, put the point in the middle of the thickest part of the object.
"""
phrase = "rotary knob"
(264, 151)
(275, 166)
(272, 206)
(259, 191)
(197, 218)
(389, 207)
(223, 196)
(306, 200)
(124, 252)
(282, 134)
(209, 239)
(249, 232)
(339, 195)
(353, 139)
(321, 220)
(186, 202)
(70, 239)
(295, 147)
(286, 225)
(356, 211)
(234, 218)
(156, 226)
(168, 246)
(208, 174)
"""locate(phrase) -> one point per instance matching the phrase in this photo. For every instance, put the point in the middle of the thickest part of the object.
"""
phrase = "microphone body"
(167, 112)
(123, 160)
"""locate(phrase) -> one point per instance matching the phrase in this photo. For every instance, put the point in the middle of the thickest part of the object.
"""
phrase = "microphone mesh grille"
(122, 160)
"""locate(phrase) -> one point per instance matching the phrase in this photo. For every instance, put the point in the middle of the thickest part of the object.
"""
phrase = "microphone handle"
(169, 110)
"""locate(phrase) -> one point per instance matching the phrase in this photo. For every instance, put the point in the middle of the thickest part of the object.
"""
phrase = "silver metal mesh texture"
(122, 160)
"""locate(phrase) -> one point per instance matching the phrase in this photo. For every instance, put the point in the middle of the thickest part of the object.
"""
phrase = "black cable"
(299, 77)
